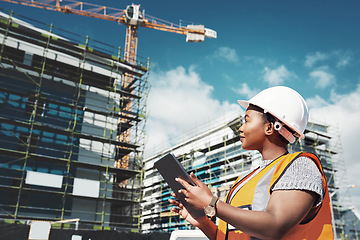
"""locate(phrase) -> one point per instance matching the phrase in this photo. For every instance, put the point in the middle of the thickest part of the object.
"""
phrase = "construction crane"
(133, 18)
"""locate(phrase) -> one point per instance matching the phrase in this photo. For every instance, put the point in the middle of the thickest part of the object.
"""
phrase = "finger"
(195, 179)
(173, 202)
(173, 194)
(183, 191)
(185, 184)
(176, 210)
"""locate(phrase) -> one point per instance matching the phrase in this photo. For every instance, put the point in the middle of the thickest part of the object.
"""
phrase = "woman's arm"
(286, 208)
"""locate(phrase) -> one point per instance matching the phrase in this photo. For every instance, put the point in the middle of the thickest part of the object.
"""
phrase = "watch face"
(210, 211)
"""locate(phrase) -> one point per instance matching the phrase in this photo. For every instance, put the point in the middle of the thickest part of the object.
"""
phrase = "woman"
(286, 197)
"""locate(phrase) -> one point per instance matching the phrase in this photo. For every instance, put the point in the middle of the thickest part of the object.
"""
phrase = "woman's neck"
(273, 152)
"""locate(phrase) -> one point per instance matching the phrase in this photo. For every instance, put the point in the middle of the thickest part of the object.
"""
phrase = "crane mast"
(133, 19)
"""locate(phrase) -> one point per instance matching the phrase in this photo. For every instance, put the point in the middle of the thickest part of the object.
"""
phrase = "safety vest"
(255, 195)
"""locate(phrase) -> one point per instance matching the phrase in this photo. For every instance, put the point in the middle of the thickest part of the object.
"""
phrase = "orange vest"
(255, 194)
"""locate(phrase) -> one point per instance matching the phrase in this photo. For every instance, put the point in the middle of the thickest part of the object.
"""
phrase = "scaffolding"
(64, 107)
(216, 157)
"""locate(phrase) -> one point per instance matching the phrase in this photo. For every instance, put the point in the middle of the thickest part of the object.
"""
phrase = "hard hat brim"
(244, 104)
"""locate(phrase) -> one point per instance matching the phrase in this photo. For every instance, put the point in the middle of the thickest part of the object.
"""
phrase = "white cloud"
(178, 101)
(343, 111)
(338, 58)
(245, 90)
(316, 102)
(227, 54)
(277, 76)
(311, 59)
(343, 58)
(343, 61)
(321, 78)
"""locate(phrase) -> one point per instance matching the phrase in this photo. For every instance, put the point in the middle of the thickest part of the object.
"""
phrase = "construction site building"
(216, 157)
(72, 123)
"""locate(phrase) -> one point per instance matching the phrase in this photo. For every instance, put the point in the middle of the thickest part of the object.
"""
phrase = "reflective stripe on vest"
(255, 195)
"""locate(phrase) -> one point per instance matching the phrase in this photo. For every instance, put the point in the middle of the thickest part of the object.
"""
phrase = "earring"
(277, 126)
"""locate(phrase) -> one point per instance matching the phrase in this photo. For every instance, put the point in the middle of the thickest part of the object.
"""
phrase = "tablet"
(170, 168)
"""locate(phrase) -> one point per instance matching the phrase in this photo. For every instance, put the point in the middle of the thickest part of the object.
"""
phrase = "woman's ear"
(269, 128)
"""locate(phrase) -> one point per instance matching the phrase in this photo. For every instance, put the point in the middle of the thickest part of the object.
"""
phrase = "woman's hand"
(198, 196)
(203, 223)
(196, 222)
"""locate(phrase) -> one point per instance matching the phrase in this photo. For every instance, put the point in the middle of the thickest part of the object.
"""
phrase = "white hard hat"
(287, 105)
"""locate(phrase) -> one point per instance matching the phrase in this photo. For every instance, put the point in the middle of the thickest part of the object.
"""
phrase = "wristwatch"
(210, 210)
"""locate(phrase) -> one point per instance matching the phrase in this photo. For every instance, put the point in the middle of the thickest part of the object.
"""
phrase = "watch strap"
(213, 201)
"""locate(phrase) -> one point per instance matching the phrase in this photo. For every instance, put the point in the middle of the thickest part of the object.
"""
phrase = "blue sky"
(311, 46)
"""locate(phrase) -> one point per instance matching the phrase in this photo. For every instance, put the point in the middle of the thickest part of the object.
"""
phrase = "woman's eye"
(242, 121)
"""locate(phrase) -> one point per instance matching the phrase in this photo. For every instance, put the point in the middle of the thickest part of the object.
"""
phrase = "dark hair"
(269, 118)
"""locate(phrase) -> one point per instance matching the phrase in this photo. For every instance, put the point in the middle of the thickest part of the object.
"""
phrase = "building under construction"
(216, 158)
(72, 123)
(72, 128)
